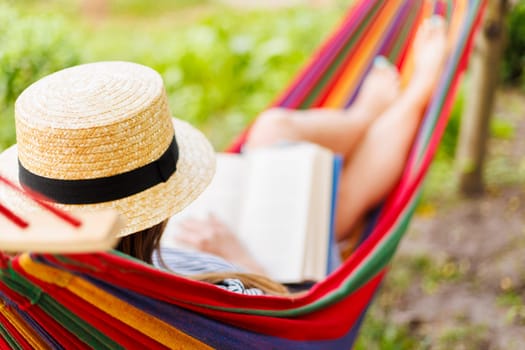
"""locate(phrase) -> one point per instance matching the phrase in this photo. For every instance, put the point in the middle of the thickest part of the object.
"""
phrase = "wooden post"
(484, 75)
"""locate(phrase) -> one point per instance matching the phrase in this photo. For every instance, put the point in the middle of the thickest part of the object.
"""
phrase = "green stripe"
(401, 40)
(81, 329)
(449, 10)
(9, 338)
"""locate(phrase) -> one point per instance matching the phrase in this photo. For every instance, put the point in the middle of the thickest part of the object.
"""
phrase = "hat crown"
(93, 120)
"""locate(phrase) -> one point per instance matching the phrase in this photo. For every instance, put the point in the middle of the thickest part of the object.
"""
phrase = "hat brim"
(195, 169)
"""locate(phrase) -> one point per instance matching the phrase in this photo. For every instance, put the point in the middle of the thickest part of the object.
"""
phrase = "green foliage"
(378, 333)
(473, 336)
(30, 47)
(510, 298)
(231, 69)
(514, 54)
(447, 147)
(440, 179)
(221, 71)
(502, 129)
(151, 8)
(514, 306)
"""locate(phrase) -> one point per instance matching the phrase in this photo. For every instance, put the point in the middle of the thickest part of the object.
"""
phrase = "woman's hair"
(143, 244)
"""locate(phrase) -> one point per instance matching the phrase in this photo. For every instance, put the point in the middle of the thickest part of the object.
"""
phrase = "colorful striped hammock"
(110, 301)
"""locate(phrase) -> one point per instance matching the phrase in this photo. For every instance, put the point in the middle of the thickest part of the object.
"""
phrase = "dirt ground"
(466, 262)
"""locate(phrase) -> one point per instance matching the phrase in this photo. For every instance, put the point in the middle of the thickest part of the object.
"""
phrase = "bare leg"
(380, 137)
(338, 130)
(378, 162)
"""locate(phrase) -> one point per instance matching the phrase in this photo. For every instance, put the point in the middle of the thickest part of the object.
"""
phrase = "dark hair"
(142, 244)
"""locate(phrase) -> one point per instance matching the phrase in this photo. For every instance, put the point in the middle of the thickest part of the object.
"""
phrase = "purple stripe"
(441, 93)
(398, 22)
(354, 332)
(216, 334)
(328, 56)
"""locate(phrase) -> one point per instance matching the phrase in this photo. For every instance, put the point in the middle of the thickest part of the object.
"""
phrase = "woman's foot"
(380, 89)
(430, 49)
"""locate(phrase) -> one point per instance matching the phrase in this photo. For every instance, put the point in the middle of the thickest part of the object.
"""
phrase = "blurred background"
(458, 281)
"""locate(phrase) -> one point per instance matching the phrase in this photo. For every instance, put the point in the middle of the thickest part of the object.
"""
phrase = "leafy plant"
(30, 47)
(223, 69)
(502, 129)
(514, 53)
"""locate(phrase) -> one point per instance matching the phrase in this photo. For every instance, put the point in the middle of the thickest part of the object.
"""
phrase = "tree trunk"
(484, 75)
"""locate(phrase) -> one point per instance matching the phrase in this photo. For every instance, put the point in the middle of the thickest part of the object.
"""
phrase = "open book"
(280, 203)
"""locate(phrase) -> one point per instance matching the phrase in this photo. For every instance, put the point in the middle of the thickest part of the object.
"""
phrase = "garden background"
(458, 281)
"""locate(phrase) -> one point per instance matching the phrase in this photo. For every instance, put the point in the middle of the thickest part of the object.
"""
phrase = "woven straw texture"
(102, 119)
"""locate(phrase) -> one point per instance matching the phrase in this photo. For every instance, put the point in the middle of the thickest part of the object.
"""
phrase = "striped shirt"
(188, 263)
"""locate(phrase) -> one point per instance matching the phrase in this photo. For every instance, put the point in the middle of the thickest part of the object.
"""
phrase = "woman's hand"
(212, 236)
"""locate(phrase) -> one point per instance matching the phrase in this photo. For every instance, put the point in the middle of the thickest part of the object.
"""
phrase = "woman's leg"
(377, 164)
(373, 165)
(338, 130)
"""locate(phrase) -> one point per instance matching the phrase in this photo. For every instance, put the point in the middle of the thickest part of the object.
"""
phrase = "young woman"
(100, 135)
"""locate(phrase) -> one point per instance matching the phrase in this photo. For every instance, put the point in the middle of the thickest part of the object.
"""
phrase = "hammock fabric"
(110, 301)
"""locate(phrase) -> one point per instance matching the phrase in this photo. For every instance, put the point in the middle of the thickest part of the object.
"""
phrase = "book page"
(317, 243)
(275, 208)
(221, 198)
(277, 200)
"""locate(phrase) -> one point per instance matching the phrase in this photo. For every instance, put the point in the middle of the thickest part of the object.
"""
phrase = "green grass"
(378, 333)
(514, 305)
(469, 337)
(141, 8)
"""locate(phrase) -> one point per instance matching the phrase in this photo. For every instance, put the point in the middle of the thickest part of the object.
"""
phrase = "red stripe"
(15, 219)
(328, 323)
(43, 202)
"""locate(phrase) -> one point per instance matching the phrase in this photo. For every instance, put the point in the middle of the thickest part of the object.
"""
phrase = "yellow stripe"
(408, 66)
(457, 21)
(128, 314)
(23, 328)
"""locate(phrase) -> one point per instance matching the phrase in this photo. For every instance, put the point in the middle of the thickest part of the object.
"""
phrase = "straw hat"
(101, 135)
